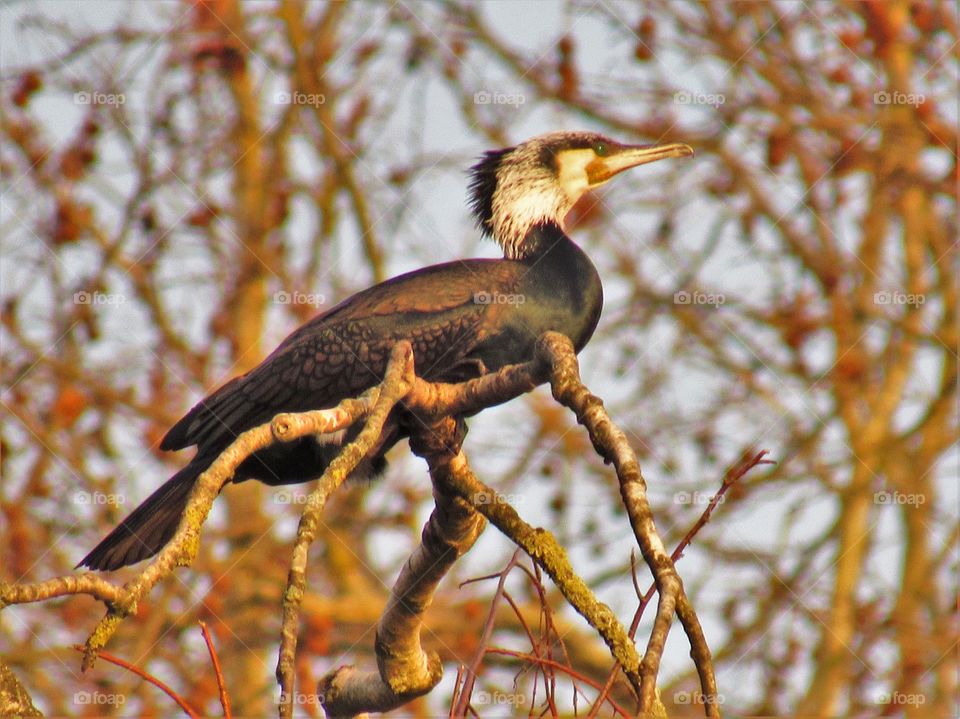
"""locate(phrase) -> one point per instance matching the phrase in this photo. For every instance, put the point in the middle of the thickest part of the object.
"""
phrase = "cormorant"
(463, 318)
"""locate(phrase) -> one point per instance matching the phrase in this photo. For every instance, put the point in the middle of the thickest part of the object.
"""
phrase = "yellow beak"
(603, 168)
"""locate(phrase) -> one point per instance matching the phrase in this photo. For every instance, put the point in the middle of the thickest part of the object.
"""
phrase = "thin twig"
(165, 688)
(473, 670)
(221, 685)
(567, 669)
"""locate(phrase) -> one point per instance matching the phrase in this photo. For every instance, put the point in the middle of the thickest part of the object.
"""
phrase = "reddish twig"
(567, 669)
(221, 686)
(548, 683)
(470, 676)
(166, 689)
(733, 475)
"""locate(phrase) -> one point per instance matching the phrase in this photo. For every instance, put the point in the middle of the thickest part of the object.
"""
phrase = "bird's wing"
(344, 351)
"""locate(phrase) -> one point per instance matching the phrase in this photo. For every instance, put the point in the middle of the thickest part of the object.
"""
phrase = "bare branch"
(611, 443)
(405, 670)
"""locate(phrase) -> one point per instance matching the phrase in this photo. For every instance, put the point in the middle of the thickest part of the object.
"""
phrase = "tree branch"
(611, 443)
(405, 670)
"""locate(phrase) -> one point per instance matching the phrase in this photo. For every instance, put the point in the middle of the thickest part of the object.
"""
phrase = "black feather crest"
(483, 183)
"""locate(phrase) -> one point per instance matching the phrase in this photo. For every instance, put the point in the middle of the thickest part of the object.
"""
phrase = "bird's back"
(441, 310)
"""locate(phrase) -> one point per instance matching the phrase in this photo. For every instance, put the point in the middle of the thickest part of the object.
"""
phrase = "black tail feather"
(149, 527)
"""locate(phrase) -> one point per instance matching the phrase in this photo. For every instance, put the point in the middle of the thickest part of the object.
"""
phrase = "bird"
(464, 319)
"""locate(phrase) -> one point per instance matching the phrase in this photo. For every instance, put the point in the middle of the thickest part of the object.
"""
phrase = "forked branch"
(429, 412)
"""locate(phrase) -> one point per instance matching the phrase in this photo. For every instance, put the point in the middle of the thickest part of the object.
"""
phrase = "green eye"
(600, 149)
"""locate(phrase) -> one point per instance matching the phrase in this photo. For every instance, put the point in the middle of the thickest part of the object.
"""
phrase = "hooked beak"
(627, 156)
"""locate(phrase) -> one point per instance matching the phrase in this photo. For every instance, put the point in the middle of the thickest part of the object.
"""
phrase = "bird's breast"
(558, 290)
(563, 293)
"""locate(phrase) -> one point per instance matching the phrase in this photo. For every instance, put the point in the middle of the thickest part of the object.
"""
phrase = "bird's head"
(515, 189)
